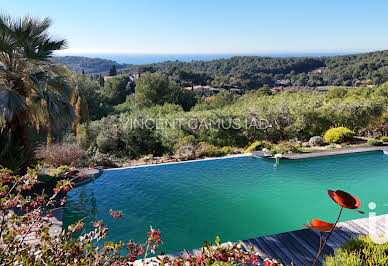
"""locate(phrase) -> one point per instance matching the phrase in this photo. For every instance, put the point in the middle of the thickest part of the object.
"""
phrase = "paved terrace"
(322, 153)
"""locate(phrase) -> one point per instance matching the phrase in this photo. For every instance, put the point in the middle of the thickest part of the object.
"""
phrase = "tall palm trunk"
(20, 128)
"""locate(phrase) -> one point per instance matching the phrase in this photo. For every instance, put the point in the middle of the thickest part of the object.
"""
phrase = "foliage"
(227, 150)
(316, 141)
(12, 154)
(89, 65)
(96, 157)
(33, 90)
(384, 139)
(126, 136)
(338, 135)
(253, 146)
(285, 147)
(259, 145)
(252, 72)
(157, 89)
(73, 246)
(116, 89)
(374, 130)
(60, 154)
(218, 101)
(113, 71)
(97, 103)
(375, 142)
(285, 116)
(359, 251)
(208, 150)
(185, 148)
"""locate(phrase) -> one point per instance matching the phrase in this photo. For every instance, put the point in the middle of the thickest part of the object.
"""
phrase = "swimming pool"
(234, 198)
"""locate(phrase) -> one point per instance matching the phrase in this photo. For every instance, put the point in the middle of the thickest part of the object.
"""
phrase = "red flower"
(115, 214)
(270, 262)
(320, 226)
(345, 199)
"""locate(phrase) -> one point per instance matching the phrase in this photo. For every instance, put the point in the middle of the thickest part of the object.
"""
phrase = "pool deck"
(300, 247)
(322, 153)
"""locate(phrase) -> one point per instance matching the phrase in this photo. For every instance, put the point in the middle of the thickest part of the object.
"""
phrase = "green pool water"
(235, 198)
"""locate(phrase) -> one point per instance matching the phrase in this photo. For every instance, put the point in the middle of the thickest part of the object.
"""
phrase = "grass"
(358, 252)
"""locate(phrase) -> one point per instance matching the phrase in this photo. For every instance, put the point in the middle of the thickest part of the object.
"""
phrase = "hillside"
(89, 65)
(252, 72)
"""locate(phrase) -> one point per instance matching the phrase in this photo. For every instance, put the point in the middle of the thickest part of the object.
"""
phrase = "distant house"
(107, 78)
(205, 90)
(132, 77)
(278, 89)
(282, 82)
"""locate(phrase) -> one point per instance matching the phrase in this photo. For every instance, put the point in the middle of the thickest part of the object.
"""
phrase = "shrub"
(316, 141)
(60, 154)
(185, 148)
(286, 147)
(253, 146)
(384, 139)
(208, 150)
(375, 142)
(338, 135)
(359, 251)
(102, 159)
(184, 141)
(259, 145)
(227, 150)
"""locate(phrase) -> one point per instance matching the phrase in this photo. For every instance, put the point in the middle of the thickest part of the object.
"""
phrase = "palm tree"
(33, 90)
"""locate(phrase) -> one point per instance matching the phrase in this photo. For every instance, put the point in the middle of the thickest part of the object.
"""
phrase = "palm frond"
(11, 104)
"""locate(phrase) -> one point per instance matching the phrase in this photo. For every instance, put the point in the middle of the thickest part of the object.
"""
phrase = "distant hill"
(256, 71)
(252, 72)
(89, 65)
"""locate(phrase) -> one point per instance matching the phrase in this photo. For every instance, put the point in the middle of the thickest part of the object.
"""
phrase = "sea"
(140, 59)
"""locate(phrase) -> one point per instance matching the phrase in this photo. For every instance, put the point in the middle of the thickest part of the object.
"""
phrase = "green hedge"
(338, 135)
(375, 142)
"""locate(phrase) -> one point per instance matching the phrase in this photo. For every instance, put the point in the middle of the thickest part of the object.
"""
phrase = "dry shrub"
(60, 154)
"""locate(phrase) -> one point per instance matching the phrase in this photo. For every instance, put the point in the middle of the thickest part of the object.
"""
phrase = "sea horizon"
(140, 59)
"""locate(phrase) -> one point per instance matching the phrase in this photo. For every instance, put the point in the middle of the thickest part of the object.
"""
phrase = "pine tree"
(101, 80)
(113, 71)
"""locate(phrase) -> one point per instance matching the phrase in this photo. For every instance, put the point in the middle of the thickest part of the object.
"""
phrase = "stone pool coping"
(180, 162)
(323, 153)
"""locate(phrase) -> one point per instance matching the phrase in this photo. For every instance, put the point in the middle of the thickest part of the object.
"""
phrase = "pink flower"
(115, 214)
(270, 262)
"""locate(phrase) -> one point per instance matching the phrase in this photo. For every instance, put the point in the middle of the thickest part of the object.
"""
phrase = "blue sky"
(212, 26)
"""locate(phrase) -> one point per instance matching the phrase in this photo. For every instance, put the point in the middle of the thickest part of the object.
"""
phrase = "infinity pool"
(235, 198)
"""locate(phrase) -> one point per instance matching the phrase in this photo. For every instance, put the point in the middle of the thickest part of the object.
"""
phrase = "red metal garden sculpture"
(343, 199)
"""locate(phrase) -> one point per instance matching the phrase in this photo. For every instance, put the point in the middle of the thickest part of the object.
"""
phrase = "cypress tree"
(113, 71)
